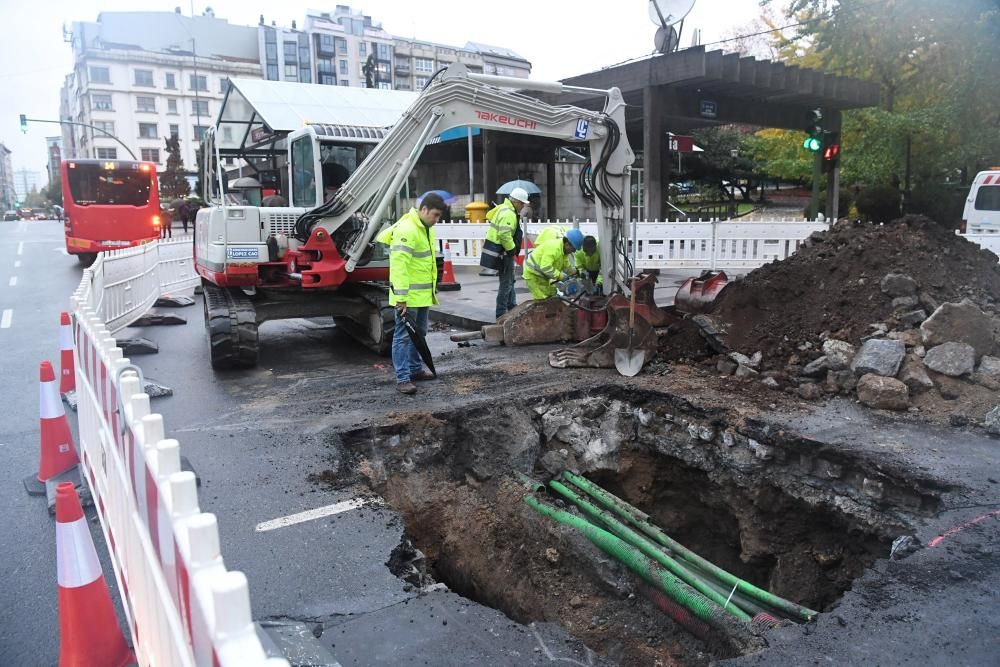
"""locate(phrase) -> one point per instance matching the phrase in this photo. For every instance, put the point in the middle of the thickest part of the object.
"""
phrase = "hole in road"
(769, 511)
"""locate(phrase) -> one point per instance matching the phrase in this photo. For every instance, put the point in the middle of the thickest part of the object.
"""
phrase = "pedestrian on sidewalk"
(412, 284)
(502, 245)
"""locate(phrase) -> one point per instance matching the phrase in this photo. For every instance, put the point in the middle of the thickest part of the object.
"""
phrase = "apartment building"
(54, 151)
(27, 181)
(7, 193)
(342, 41)
(144, 76)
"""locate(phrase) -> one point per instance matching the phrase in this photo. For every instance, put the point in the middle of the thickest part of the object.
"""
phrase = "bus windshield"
(96, 184)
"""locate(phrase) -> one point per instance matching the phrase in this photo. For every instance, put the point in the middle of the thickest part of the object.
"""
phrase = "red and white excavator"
(314, 258)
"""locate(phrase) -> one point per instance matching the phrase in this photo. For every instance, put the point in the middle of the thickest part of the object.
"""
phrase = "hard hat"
(575, 236)
(520, 194)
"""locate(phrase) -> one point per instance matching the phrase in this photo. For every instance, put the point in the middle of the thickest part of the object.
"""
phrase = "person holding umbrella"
(503, 243)
(412, 284)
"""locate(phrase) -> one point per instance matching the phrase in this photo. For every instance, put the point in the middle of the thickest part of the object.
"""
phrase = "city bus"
(109, 204)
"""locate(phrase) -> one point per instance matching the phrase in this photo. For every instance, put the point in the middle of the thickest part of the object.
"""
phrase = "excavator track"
(378, 298)
(231, 324)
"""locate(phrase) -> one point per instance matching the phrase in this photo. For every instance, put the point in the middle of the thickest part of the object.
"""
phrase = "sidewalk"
(475, 304)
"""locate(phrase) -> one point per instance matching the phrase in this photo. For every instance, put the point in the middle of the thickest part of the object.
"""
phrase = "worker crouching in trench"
(549, 263)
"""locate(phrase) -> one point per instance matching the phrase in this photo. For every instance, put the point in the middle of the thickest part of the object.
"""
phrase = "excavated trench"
(796, 517)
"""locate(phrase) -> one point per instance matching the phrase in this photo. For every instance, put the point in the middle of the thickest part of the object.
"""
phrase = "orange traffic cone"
(57, 452)
(88, 629)
(528, 245)
(448, 282)
(67, 374)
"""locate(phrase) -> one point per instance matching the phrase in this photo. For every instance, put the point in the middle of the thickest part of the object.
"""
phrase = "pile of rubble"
(902, 317)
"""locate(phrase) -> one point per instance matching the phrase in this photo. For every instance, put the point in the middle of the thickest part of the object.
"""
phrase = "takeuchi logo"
(504, 119)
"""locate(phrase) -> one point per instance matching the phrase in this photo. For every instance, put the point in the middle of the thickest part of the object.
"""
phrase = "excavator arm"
(458, 98)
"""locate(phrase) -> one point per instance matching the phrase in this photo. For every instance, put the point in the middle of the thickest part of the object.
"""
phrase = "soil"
(833, 285)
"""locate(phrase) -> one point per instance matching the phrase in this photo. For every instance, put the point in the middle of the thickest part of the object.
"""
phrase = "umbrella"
(528, 186)
(448, 198)
(420, 343)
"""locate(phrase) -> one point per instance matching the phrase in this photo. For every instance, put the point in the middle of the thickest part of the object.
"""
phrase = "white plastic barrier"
(127, 282)
(989, 242)
(715, 244)
(184, 608)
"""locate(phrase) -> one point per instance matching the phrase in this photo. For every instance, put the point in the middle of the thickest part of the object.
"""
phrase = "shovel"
(629, 361)
(420, 343)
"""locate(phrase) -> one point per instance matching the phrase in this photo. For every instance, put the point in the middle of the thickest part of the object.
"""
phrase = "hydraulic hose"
(651, 572)
(642, 521)
(649, 549)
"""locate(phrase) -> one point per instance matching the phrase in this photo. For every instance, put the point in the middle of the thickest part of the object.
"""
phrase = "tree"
(34, 199)
(726, 157)
(173, 181)
(53, 192)
(779, 154)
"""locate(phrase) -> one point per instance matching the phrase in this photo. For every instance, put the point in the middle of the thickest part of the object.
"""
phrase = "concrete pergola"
(693, 88)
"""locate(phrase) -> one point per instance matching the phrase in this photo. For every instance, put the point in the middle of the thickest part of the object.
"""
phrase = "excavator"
(315, 255)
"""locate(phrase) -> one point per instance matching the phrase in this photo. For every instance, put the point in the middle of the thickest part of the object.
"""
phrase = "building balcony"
(402, 67)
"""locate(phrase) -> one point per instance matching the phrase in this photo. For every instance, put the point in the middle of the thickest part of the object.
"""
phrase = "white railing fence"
(713, 244)
(183, 606)
(127, 282)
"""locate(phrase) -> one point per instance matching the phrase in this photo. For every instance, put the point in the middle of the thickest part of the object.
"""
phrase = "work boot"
(422, 375)
(406, 388)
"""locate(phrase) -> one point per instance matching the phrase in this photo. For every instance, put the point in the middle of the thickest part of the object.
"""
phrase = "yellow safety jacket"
(547, 261)
(412, 262)
(550, 233)
(590, 263)
(503, 225)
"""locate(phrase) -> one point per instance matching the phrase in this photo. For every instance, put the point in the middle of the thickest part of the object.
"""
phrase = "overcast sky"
(561, 38)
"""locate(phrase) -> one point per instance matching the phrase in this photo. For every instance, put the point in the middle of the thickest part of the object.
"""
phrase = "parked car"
(10, 215)
(982, 206)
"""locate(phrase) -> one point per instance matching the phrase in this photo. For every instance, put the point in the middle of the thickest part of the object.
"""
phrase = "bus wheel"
(87, 258)
(231, 324)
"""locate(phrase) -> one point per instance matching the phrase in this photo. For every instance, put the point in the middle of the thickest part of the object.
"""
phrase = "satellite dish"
(666, 39)
(668, 12)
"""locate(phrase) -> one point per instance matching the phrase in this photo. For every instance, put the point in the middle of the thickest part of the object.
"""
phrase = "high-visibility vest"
(412, 261)
(503, 225)
(547, 261)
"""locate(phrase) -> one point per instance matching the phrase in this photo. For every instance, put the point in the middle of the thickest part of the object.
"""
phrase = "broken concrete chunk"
(992, 421)
(770, 382)
(988, 373)
(959, 323)
(951, 359)
(745, 371)
(744, 360)
(899, 284)
(155, 389)
(726, 367)
(816, 368)
(914, 376)
(839, 354)
(884, 393)
(810, 391)
(913, 317)
(903, 303)
(909, 337)
(928, 303)
(879, 356)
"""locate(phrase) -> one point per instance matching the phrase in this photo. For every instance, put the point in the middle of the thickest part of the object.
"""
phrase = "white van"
(982, 206)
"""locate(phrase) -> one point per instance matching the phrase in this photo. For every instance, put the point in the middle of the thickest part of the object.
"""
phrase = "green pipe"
(649, 549)
(642, 521)
(527, 482)
(650, 572)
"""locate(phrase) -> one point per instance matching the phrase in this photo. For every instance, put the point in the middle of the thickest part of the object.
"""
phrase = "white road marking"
(13, 281)
(20, 248)
(61, 250)
(17, 264)
(309, 515)
(8, 315)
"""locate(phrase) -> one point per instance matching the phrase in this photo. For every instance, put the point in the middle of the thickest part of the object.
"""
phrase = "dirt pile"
(832, 286)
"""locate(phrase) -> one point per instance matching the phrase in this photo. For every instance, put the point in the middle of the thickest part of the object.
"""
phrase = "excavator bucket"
(697, 294)
(599, 351)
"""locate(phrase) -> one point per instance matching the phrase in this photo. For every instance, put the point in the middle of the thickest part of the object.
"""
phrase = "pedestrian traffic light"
(831, 150)
(814, 129)
(24, 123)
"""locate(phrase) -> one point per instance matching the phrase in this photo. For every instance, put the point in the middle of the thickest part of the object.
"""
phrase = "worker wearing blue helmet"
(549, 262)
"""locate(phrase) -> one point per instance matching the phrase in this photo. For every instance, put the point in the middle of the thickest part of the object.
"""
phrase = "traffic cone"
(448, 282)
(67, 373)
(88, 628)
(528, 245)
(57, 452)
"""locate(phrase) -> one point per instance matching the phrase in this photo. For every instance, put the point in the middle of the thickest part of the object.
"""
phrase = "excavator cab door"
(304, 171)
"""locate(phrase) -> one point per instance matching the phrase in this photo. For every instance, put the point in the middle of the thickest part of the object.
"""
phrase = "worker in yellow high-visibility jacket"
(549, 263)
(588, 261)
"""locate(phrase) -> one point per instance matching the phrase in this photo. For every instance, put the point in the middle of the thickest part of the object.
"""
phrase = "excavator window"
(303, 176)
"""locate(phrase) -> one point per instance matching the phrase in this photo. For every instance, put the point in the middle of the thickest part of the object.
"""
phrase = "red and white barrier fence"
(714, 244)
(183, 606)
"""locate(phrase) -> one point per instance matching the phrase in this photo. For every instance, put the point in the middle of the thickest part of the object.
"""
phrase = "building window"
(304, 55)
(199, 107)
(145, 104)
(291, 48)
(147, 131)
(423, 65)
(382, 85)
(227, 134)
(341, 45)
(171, 105)
(171, 80)
(324, 66)
(199, 132)
(326, 45)
(305, 75)
(420, 81)
(106, 125)
(384, 52)
(199, 82)
(150, 155)
(490, 68)
(101, 102)
(272, 72)
(345, 82)
(107, 153)
(100, 75)
(343, 67)
(362, 49)
(144, 77)
(327, 80)
(271, 52)
(223, 84)
(291, 72)
(175, 130)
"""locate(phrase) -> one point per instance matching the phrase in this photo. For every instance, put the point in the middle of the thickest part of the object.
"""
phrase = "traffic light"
(814, 129)
(24, 123)
(831, 151)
